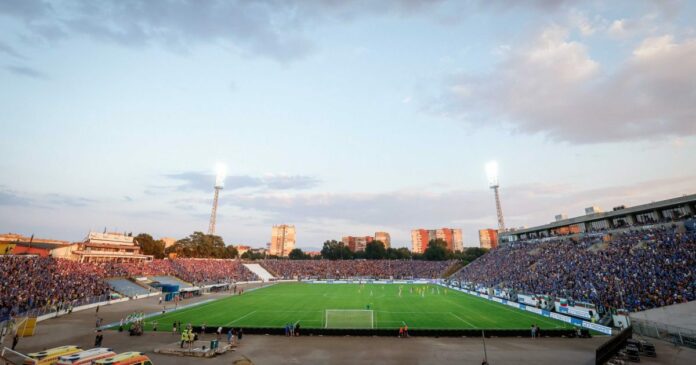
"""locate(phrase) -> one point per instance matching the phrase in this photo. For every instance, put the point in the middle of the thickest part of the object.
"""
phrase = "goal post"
(349, 318)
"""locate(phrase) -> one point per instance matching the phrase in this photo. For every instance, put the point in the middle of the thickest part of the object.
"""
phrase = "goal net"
(349, 318)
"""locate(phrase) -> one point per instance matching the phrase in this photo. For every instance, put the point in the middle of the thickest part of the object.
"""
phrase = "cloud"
(14, 198)
(6, 49)
(471, 210)
(392, 208)
(63, 200)
(285, 182)
(9, 197)
(200, 181)
(553, 87)
(276, 29)
(269, 28)
(26, 72)
(27, 10)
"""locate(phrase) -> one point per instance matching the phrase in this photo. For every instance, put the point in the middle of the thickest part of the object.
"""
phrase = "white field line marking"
(411, 312)
(520, 312)
(272, 311)
(244, 316)
(463, 320)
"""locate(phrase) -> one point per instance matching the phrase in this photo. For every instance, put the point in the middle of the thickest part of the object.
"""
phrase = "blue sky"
(339, 117)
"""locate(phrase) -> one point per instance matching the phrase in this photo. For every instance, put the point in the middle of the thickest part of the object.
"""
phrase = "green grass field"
(419, 306)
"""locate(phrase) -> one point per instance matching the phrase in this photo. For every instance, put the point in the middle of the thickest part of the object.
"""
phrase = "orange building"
(242, 249)
(421, 237)
(488, 238)
(356, 244)
(17, 244)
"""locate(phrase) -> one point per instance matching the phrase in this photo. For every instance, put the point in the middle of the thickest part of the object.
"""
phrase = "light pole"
(492, 174)
(219, 183)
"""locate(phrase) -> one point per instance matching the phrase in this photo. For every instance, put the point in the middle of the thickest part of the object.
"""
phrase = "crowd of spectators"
(336, 269)
(42, 282)
(35, 282)
(195, 271)
(636, 270)
(211, 271)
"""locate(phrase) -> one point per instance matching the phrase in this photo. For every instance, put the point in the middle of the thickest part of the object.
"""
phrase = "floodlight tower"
(219, 183)
(492, 173)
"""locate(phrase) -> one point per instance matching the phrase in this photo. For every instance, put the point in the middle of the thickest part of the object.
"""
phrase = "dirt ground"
(78, 329)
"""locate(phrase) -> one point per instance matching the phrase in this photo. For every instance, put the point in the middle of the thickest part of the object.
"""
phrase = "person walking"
(98, 339)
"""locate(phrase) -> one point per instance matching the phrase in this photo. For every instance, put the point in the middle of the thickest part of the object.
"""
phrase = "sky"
(340, 117)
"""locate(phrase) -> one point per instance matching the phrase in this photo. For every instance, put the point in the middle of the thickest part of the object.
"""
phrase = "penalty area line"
(463, 320)
(244, 316)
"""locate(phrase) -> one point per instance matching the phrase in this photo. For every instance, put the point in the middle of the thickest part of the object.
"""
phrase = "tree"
(200, 245)
(231, 252)
(252, 255)
(470, 254)
(401, 253)
(149, 246)
(436, 251)
(375, 250)
(297, 254)
(334, 250)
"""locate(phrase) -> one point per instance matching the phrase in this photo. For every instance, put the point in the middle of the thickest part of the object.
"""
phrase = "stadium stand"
(34, 282)
(127, 287)
(54, 283)
(170, 280)
(211, 271)
(335, 269)
(636, 269)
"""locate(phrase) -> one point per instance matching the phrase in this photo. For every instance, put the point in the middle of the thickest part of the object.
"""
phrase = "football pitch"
(384, 306)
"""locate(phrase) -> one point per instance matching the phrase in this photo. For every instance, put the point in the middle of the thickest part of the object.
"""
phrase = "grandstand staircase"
(606, 320)
(455, 268)
(262, 273)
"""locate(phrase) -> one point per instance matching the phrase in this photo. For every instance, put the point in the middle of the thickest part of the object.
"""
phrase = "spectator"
(637, 270)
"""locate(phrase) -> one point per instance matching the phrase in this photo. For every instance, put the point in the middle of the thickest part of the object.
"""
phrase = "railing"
(9, 356)
(679, 336)
(63, 307)
(608, 349)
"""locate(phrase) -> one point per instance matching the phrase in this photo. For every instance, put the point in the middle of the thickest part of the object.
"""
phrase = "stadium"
(347, 182)
(488, 307)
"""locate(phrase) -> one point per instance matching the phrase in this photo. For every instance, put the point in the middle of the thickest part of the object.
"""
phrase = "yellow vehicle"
(86, 357)
(126, 358)
(51, 356)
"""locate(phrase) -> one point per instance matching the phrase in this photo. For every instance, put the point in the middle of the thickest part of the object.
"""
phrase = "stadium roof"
(638, 209)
